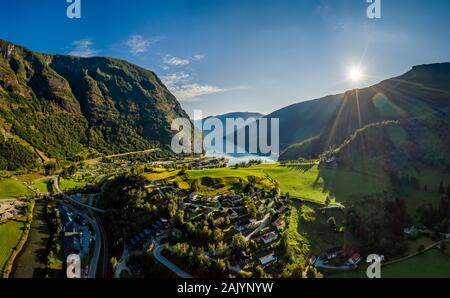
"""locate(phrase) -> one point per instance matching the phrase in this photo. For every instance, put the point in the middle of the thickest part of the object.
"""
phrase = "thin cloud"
(198, 57)
(83, 48)
(175, 61)
(138, 44)
(181, 85)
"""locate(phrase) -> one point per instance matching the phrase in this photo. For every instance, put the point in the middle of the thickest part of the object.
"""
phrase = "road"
(122, 154)
(58, 189)
(174, 268)
(98, 242)
(100, 238)
(261, 226)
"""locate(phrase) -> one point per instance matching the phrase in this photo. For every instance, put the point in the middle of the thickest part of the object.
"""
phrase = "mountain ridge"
(72, 107)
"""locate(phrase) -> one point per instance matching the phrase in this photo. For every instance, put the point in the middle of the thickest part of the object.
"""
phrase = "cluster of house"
(208, 164)
(77, 233)
(139, 240)
(334, 253)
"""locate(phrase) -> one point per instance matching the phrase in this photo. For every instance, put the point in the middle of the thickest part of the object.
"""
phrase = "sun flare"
(355, 74)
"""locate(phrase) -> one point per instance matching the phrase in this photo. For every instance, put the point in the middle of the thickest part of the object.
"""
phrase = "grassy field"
(160, 174)
(43, 185)
(10, 188)
(432, 264)
(214, 181)
(10, 233)
(311, 226)
(300, 180)
(70, 184)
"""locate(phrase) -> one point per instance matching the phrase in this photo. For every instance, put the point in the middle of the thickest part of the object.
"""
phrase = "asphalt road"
(174, 268)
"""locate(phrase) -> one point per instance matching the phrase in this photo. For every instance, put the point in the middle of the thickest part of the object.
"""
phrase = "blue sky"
(241, 55)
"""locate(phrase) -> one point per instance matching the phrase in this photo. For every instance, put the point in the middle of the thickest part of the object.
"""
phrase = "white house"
(266, 260)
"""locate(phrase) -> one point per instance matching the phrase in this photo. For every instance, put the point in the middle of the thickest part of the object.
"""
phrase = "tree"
(332, 223)
(194, 185)
(239, 241)
(218, 235)
(113, 261)
(252, 211)
(293, 270)
(328, 201)
(259, 272)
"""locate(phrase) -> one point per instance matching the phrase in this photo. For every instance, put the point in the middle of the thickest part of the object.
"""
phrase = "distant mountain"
(419, 100)
(234, 115)
(68, 107)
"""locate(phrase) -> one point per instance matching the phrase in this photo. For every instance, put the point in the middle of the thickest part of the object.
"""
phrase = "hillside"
(419, 100)
(234, 115)
(305, 120)
(70, 107)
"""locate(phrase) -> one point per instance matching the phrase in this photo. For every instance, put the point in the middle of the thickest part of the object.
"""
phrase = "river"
(31, 260)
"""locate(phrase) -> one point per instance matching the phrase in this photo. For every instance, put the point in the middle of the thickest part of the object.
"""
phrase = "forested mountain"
(408, 114)
(70, 107)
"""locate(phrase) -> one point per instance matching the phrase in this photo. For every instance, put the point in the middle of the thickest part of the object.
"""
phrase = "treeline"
(377, 223)
(195, 260)
(55, 243)
(14, 156)
(131, 207)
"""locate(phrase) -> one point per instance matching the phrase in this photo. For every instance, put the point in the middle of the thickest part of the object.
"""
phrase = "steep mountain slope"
(305, 120)
(71, 107)
(418, 99)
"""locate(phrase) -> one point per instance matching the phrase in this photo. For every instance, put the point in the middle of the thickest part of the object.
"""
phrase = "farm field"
(299, 180)
(10, 188)
(431, 264)
(70, 184)
(43, 185)
(10, 233)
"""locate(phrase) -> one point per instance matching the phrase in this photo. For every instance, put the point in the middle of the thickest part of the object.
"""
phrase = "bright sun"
(355, 74)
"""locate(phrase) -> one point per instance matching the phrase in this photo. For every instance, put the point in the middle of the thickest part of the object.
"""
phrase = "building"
(354, 259)
(279, 222)
(176, 233)
(269, 237)
(266, 260)
(409, 231)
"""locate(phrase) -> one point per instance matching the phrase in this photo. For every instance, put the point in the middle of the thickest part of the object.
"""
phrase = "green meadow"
(44, 185)
(305, 181)
(431, 264)
(70, 184)
(10, 188)
(10, 233)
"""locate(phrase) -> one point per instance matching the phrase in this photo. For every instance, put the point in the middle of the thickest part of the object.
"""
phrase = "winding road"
(174, 268)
